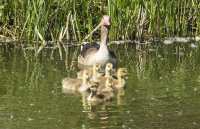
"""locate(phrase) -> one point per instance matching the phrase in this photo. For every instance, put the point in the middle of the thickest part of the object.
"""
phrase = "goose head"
(105, 21)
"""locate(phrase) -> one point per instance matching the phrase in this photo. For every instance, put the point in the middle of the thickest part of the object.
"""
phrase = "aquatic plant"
(74, 19)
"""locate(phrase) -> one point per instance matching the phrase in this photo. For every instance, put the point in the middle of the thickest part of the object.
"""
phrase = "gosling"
(94, 72)
(109, 70)
(120, 82)
(108, 73)
(77, 85)
(100, 94)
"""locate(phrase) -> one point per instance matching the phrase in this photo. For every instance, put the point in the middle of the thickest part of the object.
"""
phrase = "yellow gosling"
(101, 94)
(120, 82)
(94, 72)
(108, 70)
(77, 85)
(107, 86)
(108, 73)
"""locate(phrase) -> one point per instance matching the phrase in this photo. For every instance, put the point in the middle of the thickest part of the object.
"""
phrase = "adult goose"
(98, 53)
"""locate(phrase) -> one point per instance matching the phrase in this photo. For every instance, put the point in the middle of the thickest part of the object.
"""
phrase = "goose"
(98, 54)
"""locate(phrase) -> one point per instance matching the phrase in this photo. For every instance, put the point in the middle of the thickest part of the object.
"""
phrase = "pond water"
(163, 91)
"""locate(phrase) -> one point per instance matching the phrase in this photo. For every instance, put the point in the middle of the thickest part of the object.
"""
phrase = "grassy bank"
(74, 19)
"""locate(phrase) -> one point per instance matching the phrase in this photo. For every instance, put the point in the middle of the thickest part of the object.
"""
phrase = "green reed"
(25, 19)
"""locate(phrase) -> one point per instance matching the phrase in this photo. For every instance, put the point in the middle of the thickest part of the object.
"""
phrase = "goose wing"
(89, 48)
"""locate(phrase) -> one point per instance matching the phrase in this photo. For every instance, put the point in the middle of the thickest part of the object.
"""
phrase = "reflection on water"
(163, 91)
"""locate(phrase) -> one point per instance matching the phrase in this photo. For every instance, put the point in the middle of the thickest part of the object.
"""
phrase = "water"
(163, 91)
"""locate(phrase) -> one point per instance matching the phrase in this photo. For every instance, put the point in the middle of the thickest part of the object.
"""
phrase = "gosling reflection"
(99, 114)
(120, 97)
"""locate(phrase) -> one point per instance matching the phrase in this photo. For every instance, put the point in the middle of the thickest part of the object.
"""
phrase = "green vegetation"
(74, 19)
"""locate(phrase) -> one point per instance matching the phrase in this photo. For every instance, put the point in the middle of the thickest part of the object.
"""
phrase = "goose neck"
(104, 35)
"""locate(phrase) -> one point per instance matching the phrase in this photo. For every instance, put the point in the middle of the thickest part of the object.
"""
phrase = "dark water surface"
(163, 91)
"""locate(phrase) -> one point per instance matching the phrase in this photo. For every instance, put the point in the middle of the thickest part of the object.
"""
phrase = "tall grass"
(23, 19)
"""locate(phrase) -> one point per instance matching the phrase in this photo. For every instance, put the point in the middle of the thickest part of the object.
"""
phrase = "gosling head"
(105, 21)
(109, 67)
(96, 68)
(122, 72)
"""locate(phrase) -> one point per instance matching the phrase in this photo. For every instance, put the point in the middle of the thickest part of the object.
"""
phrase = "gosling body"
(101, 94)
(76, 85)
(120, 82)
